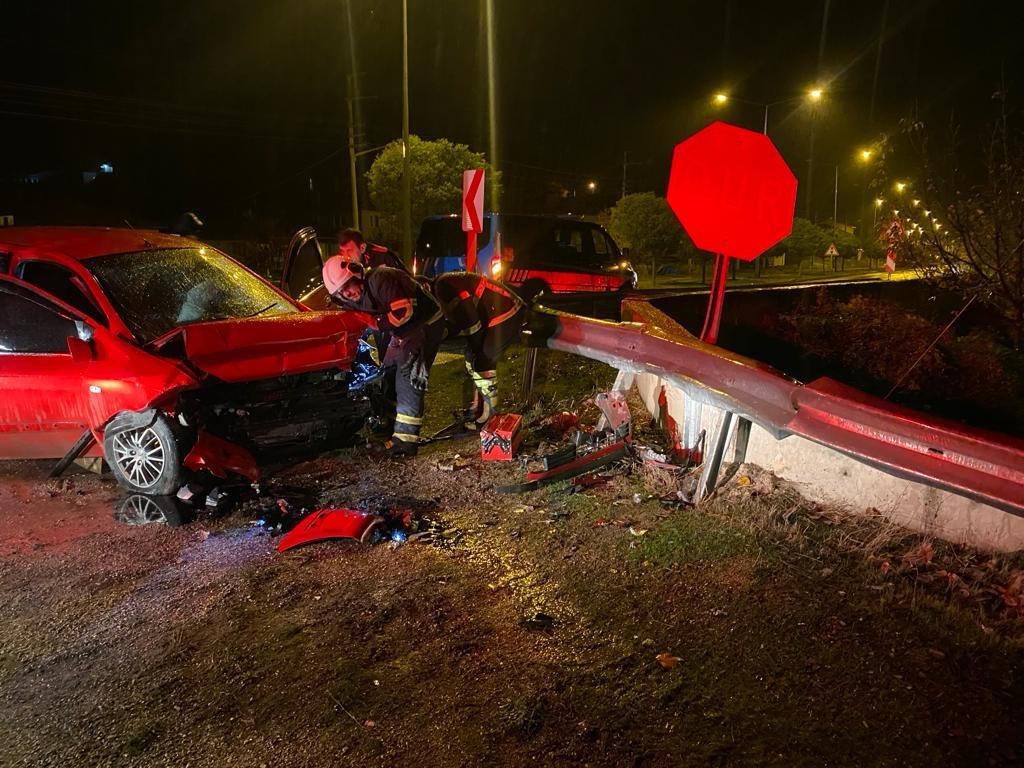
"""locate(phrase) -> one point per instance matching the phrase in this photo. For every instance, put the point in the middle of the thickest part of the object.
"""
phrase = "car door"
(607, 271)
(302, 275)
(43, 400)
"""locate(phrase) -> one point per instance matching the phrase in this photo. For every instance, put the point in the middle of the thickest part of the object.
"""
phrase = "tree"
(645, 224)
(808, 242)
(435, 169)
(963, 213)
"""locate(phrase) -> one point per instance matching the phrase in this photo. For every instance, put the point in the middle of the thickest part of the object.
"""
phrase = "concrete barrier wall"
(825, 475)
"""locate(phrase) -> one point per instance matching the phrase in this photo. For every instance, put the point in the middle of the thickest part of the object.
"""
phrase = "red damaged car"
(162, 354)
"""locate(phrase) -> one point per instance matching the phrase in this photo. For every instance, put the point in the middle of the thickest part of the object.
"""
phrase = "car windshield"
(157, 291)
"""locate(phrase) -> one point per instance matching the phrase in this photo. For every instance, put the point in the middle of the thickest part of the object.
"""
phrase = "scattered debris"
(667, 660)
(598, 458)
(615, 411)
(556, 426)
(589, 481)
(324, 524)
(538, 622)
(456, 463)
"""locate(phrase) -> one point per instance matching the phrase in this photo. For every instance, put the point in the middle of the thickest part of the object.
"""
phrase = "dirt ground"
(602, 628)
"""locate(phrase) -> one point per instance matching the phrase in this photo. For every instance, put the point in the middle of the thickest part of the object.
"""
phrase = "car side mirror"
(84, 331)
(80, 345)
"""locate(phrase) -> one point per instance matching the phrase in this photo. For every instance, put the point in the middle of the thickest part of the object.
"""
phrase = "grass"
(690, 537)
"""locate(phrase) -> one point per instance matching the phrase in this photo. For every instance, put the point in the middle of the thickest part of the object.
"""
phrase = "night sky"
(237, 109)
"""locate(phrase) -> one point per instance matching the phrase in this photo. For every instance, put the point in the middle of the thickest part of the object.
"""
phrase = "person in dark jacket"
(353, 247)
(490, 318)
(414, 322)
(487, 315)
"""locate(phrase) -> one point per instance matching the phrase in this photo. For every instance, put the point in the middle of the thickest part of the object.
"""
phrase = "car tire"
(533, 290)
(144, 454)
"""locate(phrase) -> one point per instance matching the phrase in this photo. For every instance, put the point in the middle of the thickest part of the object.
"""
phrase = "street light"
(865, 155)
(721, 99)
(878, 204)
(900, 186)
(592, 186)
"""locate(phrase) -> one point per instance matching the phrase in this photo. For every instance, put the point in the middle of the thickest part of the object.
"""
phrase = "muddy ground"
(602, 628)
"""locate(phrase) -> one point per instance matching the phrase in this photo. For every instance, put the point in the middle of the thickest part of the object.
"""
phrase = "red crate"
(501, 436)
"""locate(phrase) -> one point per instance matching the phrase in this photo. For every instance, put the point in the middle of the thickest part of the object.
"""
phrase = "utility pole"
(406, 182)
(810, 172)
(352, 154)
(835, 203)
(625, 163)
(492, 107)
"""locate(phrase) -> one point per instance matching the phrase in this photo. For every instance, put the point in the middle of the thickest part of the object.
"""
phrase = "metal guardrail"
(981, 465)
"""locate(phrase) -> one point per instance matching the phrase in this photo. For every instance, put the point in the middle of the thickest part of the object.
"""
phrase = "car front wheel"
(143, 453)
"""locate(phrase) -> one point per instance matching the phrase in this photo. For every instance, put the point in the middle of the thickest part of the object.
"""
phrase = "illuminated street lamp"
(900, 186)
(722, 98)
(865, 155)
(591, 186)
(878, 204)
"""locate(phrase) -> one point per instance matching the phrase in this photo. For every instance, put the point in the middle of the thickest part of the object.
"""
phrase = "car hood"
(265, 347)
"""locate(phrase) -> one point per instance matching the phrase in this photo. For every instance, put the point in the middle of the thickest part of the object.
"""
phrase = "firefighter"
(353, 247)
(484, 313)
(489, 317)
(412, 317)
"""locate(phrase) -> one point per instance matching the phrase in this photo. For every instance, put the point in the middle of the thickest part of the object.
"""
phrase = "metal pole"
(492, 107)
(406, 182)
(766, 119)
(352, 155)
(835, 203)
(810, 172)
(624, 164)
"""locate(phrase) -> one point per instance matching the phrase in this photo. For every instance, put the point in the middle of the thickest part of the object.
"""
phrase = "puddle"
(140, 509)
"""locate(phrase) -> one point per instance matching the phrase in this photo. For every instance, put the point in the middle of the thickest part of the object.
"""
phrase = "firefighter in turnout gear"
(352, 246)
(489, 317)
(470, 306)
(412, 318)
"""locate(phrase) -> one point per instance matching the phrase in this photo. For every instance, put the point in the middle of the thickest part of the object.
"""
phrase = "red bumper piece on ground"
(324, 524)
(222, 458)
(500, 437)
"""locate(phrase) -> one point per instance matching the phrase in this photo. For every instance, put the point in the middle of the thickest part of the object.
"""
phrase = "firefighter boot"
(406, 437)
(485, 399)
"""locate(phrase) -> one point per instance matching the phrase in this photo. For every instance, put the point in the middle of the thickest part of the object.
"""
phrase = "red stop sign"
(732, 191)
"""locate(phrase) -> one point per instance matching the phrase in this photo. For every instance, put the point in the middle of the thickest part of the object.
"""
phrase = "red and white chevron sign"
(473, 200)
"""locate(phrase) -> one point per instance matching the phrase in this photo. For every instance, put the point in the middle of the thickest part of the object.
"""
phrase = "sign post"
(892, 237)
(830, 251)
(472, 212)
(735, 196)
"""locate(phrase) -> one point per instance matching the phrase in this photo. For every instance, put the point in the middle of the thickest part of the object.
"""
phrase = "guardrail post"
(529, 370)
(713, 460)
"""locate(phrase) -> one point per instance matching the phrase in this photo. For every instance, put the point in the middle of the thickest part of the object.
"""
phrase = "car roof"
(530, 216)
(86, 242)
